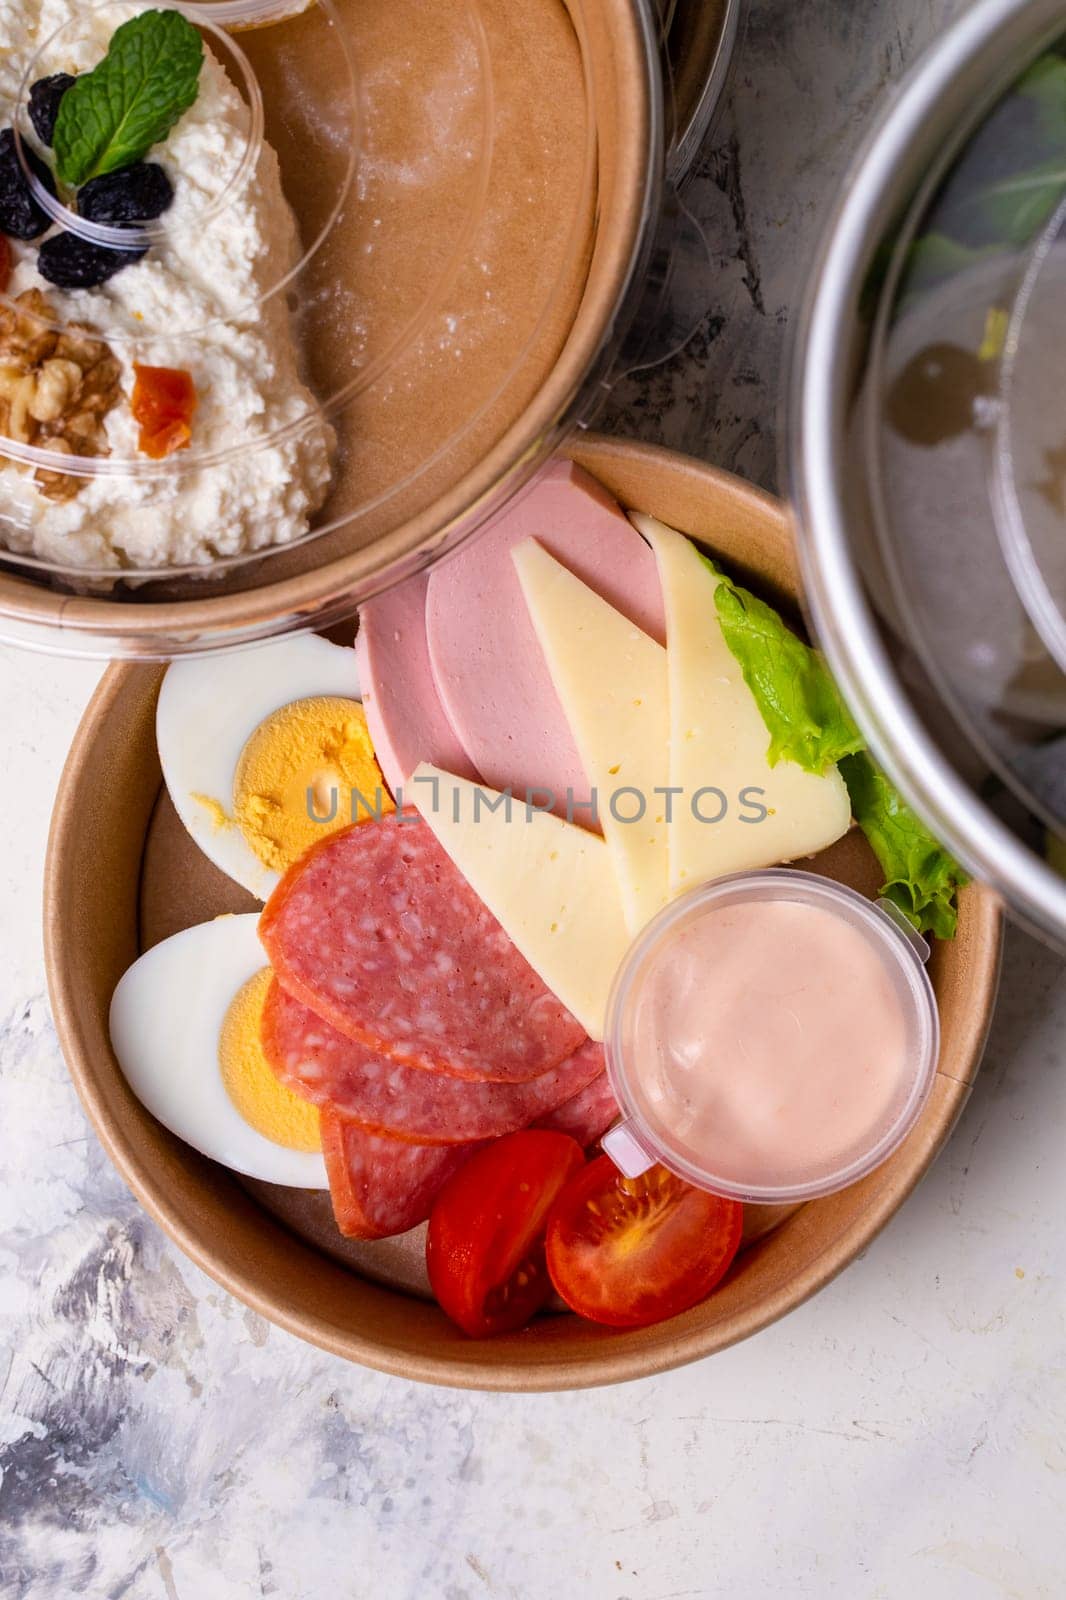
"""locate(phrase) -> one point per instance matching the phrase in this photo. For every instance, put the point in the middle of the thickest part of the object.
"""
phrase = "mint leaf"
(920, 877)
(805, 716)
(112, 116)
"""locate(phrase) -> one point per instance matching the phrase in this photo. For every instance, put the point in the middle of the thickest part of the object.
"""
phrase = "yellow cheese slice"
(718, 743)
(611, 680)
(548, 882)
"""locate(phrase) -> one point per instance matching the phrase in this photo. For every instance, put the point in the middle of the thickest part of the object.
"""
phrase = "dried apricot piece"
(164, 403)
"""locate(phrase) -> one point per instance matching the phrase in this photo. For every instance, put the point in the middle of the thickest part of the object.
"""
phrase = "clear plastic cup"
(650, 1042)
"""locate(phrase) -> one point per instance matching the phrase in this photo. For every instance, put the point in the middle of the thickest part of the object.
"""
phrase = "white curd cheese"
(196, 302)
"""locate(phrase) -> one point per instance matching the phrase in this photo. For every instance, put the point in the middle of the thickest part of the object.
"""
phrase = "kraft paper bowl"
(121, 874)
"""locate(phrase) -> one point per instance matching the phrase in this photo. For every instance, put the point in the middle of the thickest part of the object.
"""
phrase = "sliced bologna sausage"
(387, 1096)
(380, 1186)
(491, 674)
(587, 1115)
(407, 721)
(377, 931)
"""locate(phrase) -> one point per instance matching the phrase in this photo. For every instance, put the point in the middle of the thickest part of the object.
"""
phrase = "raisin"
(135, 194)
(73, 263)
(44, 104)
(20, 215)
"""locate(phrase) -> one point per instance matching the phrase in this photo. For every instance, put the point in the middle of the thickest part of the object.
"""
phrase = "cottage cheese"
(193, 302)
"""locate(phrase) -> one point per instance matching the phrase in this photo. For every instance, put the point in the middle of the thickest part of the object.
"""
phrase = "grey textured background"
(808, 80)
(902, 1434)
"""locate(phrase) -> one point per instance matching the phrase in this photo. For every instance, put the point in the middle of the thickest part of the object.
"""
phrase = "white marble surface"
(901, 1434)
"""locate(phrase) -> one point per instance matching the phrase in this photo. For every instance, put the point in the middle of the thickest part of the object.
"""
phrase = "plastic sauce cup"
(772, 1036)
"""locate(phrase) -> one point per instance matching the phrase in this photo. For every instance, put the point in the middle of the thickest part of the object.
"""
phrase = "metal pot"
(920, 380)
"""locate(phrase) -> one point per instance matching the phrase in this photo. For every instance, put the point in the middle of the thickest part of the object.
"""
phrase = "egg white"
(209, 709)
(166, 1018)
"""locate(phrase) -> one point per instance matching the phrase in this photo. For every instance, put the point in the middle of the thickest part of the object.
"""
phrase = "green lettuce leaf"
(920, 877)
(809, 723)
(805, 716)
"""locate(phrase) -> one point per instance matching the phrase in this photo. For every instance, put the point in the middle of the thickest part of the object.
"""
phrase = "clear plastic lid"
(699, 37)
(398, 249)
(772, 1036)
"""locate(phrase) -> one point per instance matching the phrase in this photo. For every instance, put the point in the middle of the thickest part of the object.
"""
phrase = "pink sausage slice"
(587, 1115)
(491, 674)
(385, 1096)
(379, 1186)
(377, 931)
(407, 721)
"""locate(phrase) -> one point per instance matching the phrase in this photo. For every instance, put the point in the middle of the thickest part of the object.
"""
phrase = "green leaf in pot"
(112, 116)
(1001, 191)
(920, 877)
(1045, 85)
(1010, 210)
(934, 258)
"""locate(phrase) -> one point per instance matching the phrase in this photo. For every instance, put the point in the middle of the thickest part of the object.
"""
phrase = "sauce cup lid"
(641, 1139)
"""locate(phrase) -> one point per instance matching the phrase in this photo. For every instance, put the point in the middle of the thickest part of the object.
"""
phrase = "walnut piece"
(19, 422)
(56, 389)
(58, 485)
(26, 339)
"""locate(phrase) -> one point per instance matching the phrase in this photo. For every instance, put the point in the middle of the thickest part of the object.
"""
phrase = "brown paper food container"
(122, 874)
(571, 198)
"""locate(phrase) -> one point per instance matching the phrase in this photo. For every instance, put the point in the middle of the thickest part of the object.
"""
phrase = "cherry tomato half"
(632, 1251)
(5, 264)
(485, 1247)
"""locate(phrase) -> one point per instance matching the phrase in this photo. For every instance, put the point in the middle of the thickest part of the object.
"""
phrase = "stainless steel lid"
(928, 456)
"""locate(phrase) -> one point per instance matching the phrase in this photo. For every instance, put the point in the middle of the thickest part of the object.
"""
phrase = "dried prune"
(45, 97)
(140, 193)
(20, 215)
(73, 263)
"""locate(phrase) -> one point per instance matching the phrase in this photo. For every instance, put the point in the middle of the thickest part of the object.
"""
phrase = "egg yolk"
(266, 1104)
(300, 776)
(215, 810)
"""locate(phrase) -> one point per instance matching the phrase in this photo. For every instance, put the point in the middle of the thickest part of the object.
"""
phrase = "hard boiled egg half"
(185, 1030)
(265, 752)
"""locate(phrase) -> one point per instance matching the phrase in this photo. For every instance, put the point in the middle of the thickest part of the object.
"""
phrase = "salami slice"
(587, 1115)
(377, 931)
(387, 1096)
(380, 1186)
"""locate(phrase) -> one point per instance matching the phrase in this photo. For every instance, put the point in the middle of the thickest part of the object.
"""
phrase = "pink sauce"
(772, 1044)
